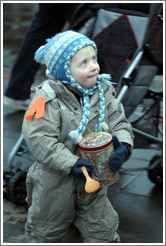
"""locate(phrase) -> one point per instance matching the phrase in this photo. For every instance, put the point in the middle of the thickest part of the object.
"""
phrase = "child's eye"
(84, 63)
(94, 59)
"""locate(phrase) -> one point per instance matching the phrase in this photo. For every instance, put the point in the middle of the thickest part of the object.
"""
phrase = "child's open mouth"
(92, 76)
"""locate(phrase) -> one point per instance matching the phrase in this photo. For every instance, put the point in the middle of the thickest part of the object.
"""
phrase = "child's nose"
(93, 66)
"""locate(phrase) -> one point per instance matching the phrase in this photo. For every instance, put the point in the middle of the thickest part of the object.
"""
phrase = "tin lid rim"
(94, 148)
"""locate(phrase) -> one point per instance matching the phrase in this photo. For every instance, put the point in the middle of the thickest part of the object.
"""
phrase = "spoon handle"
(83, 168)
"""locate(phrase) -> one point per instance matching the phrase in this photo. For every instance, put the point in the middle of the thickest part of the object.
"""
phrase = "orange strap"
(37, 107)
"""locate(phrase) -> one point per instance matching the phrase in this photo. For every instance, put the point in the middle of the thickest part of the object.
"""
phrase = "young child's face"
(84, 67)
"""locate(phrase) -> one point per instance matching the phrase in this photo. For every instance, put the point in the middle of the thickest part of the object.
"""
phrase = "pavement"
(138, 201)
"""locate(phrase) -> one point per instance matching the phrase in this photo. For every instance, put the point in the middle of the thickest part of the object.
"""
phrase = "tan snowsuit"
(55, 198)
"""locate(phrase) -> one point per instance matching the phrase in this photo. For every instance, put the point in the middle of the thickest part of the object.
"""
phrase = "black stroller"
(123, 34)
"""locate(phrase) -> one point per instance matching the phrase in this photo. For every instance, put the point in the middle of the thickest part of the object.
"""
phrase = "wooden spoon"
(91, 184)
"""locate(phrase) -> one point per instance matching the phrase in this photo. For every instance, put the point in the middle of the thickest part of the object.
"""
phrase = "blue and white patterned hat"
(56, 54)
(59, 51)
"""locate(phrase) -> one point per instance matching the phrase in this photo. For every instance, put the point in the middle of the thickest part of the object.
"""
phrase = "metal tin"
(96, 148)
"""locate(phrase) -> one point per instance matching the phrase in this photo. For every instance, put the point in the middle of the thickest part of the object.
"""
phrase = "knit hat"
(56, 54)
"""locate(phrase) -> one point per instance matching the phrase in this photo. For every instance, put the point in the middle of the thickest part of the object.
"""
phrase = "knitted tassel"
(106, 79)
(40, 54)
(75, 136)
(102, 127)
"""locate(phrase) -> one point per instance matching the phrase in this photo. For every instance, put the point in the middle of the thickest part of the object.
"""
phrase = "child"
(74, 101)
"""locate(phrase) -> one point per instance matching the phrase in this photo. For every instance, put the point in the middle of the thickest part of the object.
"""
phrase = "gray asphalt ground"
(138, 201)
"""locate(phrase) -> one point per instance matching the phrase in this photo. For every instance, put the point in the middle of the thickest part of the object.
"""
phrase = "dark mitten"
(121, 152)
(76, 169)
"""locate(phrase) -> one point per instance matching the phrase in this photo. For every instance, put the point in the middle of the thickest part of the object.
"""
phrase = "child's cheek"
(81, 76)
(98, 69)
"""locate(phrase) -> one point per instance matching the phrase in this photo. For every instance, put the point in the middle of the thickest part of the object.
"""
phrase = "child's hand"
(121, 152)
(76, 169)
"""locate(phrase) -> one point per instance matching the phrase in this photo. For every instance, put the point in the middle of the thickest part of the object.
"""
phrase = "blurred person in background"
(48, 21)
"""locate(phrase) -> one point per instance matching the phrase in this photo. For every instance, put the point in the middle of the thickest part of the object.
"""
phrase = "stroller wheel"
(16, 188)
(155, 171)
